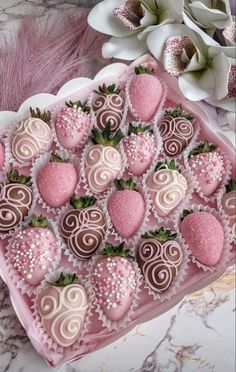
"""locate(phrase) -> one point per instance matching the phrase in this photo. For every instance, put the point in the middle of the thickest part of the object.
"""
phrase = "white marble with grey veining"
(196, 335)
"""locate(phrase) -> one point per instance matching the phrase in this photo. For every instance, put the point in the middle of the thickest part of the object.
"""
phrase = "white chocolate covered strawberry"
(62, 307)
(103, 162)
(208, 167)
(33, 251)
(114, 281)
(139, 148)
(72, 124)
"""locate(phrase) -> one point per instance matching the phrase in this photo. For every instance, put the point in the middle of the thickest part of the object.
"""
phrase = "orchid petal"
(172, 9)
(206, 38)
(221, 68)
(209, 17)
(197, 85)
(128, 48)
(101, 18)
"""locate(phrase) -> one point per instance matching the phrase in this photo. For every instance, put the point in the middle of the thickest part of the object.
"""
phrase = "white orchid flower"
(209, 14)
(203, 70)
(130, 21)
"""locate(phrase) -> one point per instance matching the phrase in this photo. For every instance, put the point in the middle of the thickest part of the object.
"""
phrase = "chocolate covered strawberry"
(126, 208)
(83, 227)
(145, 93)
(114, 281)
(208, 167)
(56, 181)
(204, 235)
(103, 162)
(33, 136)
(167, 187)
(72, 124)
(33, 251)
(108, 106)
(159, 256)
(16, 199)
(228, 202)
(177, 130)
(62, 307)
(139, 148)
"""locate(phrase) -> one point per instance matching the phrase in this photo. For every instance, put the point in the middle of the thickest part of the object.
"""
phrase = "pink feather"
(45, 54)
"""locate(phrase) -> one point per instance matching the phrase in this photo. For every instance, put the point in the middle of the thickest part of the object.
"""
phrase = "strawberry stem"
(112, 251)
(162, 234)
(139, 129)
(65, 280)
(185, 213)
(104, 90)
(202, 148)
(39, 221)
(55, 158)
(231, 186)
(14, 177)
(167, 164)
(104, 137)
(139, 70)
(125, 184)
(177, 112)
(82, 202)
(79, 104)
(44, 116)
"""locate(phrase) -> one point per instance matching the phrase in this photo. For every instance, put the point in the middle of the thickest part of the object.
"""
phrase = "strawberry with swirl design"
(108, 106)
(159, 256)
(167, 187)
(62, 308)
(32, 137)
(83, 227)
(103, 162)
(176, 130)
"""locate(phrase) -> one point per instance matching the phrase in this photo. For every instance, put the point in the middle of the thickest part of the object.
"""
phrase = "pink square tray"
(148, 308)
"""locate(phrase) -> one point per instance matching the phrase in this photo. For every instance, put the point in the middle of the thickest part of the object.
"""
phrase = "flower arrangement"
(194, 40)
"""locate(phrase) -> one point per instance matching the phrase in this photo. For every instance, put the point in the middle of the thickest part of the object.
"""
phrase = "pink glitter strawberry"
(33, 251)
(72, 124)
(139, 148)
(126, 208)
(145, 93)
(56, 181)
(114, 281)
(208, 166)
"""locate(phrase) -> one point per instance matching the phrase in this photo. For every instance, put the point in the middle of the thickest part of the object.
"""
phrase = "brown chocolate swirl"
(15, 203)
(83, 230)
(159, 262)
(109, 108)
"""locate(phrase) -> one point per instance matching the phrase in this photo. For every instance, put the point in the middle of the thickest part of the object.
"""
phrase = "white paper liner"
(190, 183)
(17, 279)
(220, 189)
(75, 261)
(144, 223)
(122, 125)
(26, 219)
(3, 171)
(220, 208)
(221, 217)
(178, 279)
(85, 138)
(191, 143)
(10, 136)
(39, 163)
(158, 143)
(44, 336)
(109, 324)
(160, 105)
(119, 148)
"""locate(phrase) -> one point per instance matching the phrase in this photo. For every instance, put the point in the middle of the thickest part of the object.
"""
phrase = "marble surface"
(196, 335)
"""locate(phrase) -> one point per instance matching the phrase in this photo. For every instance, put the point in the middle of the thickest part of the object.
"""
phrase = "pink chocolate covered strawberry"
(126, 208)
(56, 181)
(108, 106)
(228, 202)
(33, 251)
(139, 148)
(114, 281)
(72, 124)
(208, 167)
(145, 93)
(204, 235)
(62, 307)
